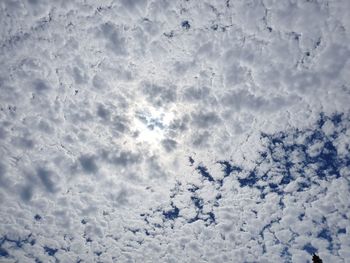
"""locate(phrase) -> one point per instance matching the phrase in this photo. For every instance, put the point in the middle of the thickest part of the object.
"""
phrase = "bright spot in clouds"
(152, 124)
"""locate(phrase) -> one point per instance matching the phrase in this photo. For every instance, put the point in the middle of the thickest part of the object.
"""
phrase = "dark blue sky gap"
(204, 172)
(328, 161)
(172, 213)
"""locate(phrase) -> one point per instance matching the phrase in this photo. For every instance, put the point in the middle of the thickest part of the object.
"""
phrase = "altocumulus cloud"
(174, 131)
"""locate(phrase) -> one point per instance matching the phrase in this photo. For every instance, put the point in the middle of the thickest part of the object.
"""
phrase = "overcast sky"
(174, 130)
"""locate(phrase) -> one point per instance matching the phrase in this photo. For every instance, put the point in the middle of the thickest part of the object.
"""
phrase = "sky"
(174, 131)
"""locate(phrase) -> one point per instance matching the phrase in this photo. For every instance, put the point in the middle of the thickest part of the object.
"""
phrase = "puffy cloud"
(174, 131)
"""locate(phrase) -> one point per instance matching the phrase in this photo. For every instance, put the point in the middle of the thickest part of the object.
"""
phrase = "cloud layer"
(174, 131)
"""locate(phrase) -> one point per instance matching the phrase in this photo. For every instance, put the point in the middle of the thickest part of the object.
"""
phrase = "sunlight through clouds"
(152, 124)
(174, 131)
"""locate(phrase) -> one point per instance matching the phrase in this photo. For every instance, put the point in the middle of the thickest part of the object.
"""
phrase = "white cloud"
(174, 131)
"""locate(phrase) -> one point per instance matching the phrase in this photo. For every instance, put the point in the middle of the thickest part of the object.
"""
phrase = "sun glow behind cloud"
(152, 124)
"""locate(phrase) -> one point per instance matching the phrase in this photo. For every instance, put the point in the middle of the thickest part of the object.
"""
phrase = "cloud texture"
(174, 131)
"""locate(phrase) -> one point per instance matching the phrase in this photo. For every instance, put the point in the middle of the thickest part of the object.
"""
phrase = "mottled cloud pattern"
(174, 131)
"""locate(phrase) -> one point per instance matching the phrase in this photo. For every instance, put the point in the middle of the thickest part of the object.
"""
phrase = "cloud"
(205, 119)
(159, 95)
(115, 41)
(46, 178)
(169, 144)
(88, 163)
(174, 131)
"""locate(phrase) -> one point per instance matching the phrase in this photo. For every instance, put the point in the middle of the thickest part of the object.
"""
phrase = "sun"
(152, 124)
